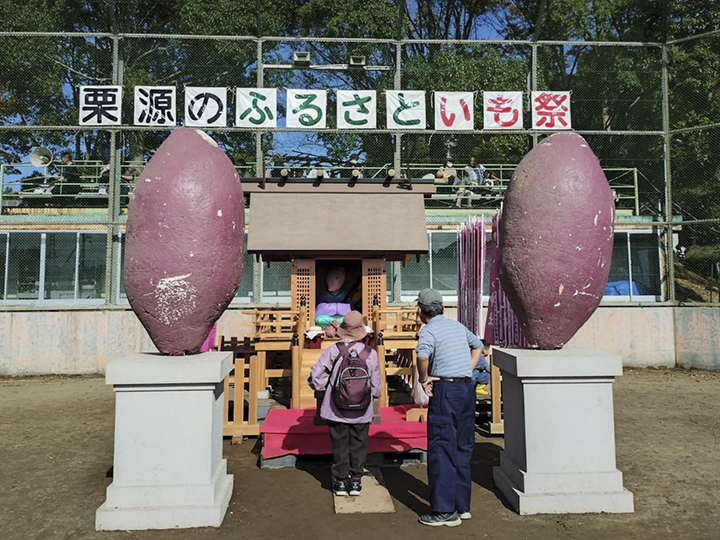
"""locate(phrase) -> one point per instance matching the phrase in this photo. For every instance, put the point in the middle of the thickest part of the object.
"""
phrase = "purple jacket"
(320, 373)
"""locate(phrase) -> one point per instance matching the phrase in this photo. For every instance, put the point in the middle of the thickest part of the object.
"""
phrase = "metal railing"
(39, 188)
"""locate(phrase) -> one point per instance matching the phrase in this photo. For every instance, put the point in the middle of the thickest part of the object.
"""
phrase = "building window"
(390, 281)
(275, 282)
(60, 264)
(53, 268)
(65, 268)
(635, 272)
(636, 268)
(436, 269)
(245, 292)
(444, 263)
(91, 266)
(23, 268)
(414, 276)
(122, 295)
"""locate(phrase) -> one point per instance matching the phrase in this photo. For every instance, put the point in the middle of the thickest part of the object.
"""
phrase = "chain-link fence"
(694, 141)
(648, 110)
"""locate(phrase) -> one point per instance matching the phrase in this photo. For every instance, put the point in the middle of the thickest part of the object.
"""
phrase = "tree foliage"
(614, 88)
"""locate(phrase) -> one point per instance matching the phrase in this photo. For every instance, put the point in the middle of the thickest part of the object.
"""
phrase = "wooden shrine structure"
(318, 224)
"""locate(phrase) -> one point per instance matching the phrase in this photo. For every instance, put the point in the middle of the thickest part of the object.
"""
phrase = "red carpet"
(291, 431)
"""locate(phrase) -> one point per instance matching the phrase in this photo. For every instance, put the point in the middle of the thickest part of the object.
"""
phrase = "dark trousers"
(349, 449)
(451, 437)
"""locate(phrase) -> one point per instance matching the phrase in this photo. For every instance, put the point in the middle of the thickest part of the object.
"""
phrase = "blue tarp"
(622, 288)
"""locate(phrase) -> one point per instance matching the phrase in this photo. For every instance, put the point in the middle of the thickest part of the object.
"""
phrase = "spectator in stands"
(681, 251)
(70, 179)
(474, 173)
(449, 173)
(130, 174)
(104, 178)
(488, 179)
(277, 166)
(32, 181)
(127, 181)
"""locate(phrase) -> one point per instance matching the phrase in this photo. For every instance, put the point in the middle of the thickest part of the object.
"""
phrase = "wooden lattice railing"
(395, 330)
(273, 323)
(392, 323)
(246, 371)
(249, 375)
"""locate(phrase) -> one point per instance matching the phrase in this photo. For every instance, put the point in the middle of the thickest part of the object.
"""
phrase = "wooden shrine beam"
(254, 185)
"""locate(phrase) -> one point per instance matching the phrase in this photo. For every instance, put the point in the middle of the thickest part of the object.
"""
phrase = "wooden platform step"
(374, 497)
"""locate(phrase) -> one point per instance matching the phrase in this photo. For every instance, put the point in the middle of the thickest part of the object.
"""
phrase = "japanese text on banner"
(205, 107)
(100, 105)
(306, 108)
(356, 109)
(155, 106)
(405, 109)
(551, 110)
(454, 111)
(256, 107)
(502, 110)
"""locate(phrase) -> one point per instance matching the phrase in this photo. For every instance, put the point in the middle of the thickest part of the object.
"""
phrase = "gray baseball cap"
(429, 297)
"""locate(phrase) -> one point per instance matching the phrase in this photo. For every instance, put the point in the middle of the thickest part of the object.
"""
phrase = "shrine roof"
(310, 225)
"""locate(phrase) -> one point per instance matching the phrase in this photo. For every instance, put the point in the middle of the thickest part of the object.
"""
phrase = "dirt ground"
(56, 446)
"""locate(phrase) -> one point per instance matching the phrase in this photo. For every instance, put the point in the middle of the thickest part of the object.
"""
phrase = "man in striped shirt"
(446, 355)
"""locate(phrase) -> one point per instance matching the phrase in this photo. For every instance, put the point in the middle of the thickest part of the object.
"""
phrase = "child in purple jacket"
(348, 429)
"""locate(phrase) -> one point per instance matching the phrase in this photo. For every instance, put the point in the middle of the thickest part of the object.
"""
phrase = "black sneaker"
(355, 488)
(340, 488)
(437, 519)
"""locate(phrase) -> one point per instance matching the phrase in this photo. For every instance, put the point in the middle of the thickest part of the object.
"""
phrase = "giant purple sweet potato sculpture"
(556, 239)
(184, 244)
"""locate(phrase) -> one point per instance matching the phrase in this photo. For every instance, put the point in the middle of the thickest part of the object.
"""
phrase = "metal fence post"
(637, 191)
(2, 183)
(533, 87)
(669, 248)
(259, 158)
(397, 85)
(113, 211)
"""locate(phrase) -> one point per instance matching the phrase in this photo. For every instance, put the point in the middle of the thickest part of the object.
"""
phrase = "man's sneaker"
(340, 488)
(437, 519)
(465, 515)
(355, 488)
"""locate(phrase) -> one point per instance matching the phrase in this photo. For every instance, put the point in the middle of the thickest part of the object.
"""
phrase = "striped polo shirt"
(447, 343)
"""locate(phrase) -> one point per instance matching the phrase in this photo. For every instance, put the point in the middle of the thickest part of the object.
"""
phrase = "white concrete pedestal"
(168, 469)
(559, 452)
